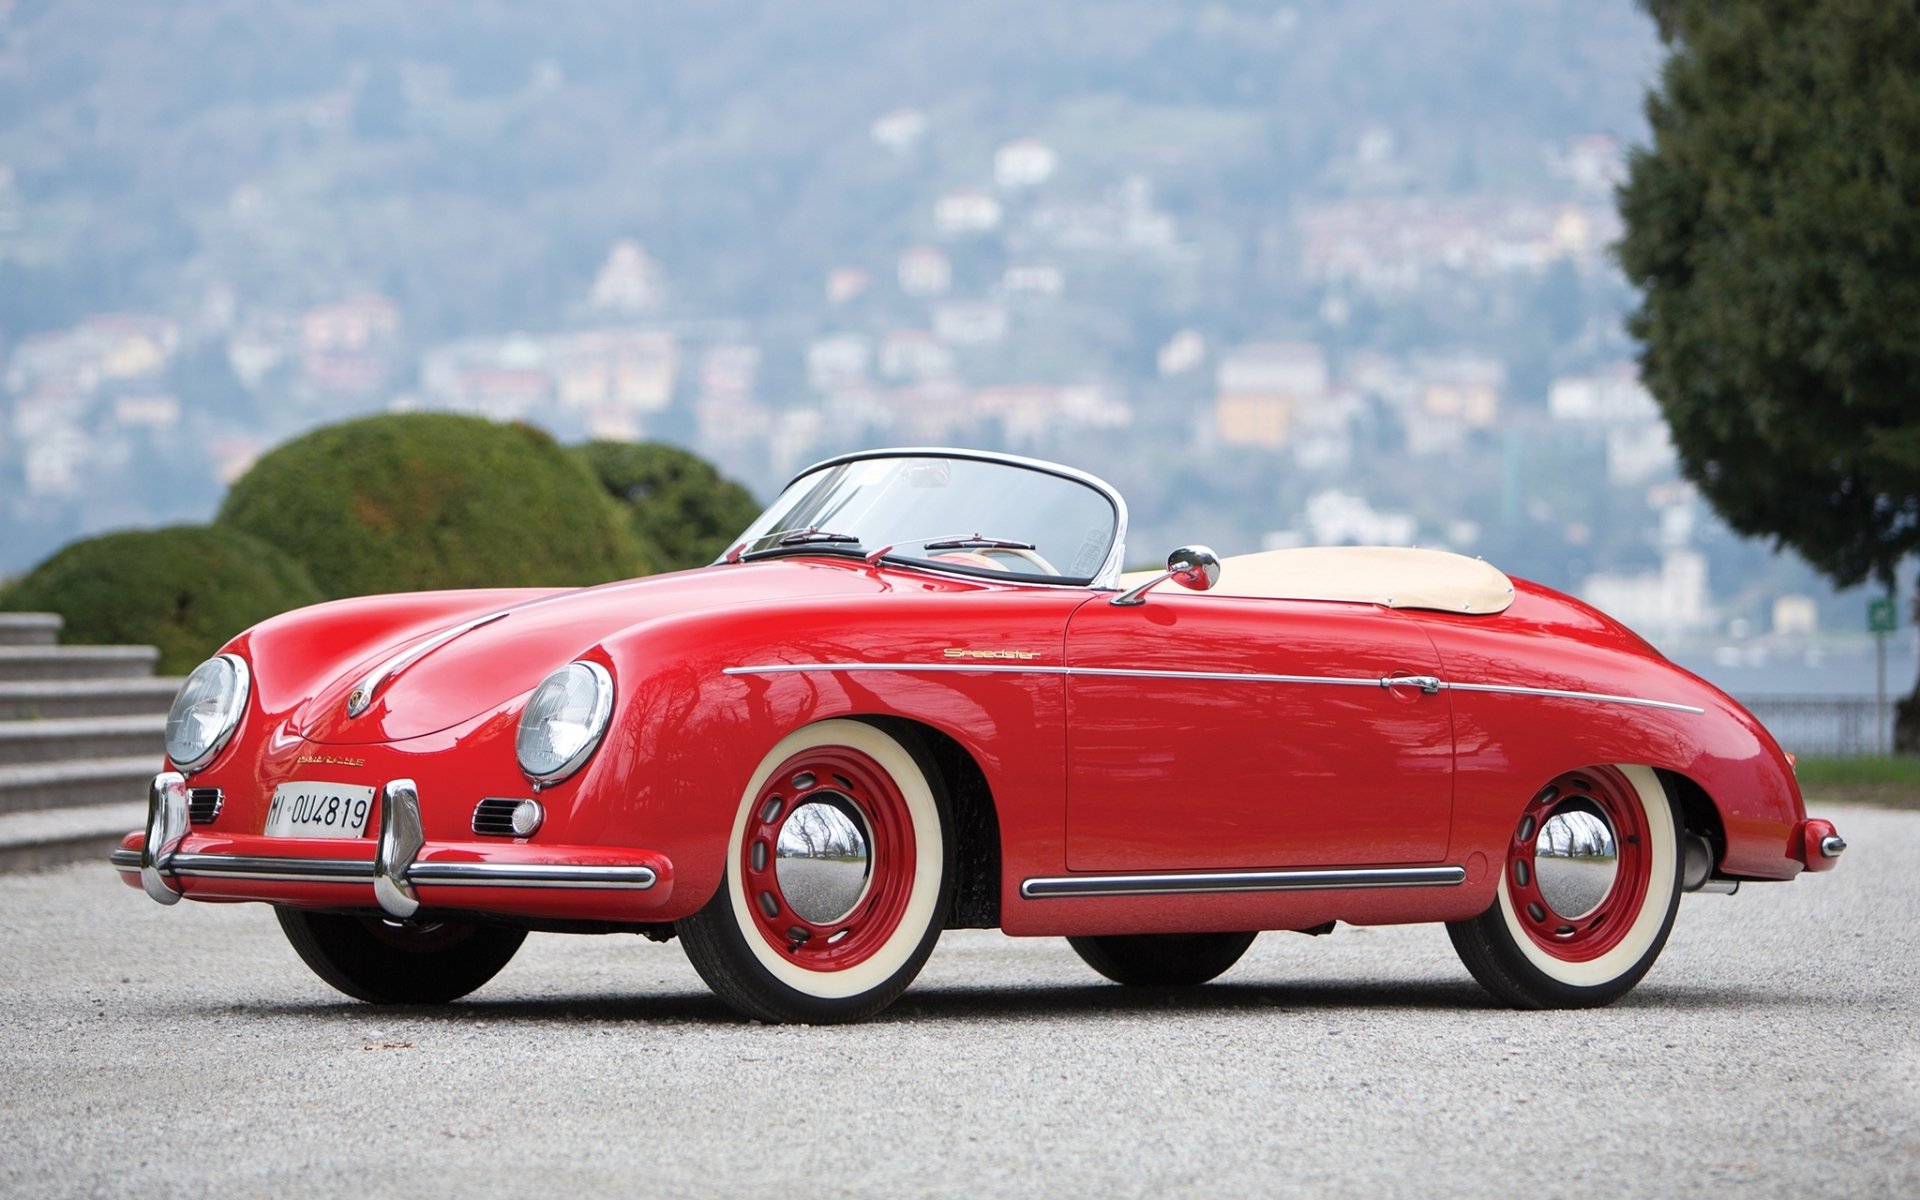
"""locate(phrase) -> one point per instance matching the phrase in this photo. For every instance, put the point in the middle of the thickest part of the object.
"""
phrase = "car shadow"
(1073, 1002)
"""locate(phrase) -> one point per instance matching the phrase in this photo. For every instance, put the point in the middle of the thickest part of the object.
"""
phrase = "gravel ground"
(1773, 1051)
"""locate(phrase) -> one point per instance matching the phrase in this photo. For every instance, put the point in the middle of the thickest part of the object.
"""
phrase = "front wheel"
(1587, 893)
(838, 878)
(1162, 959)
(398, 962)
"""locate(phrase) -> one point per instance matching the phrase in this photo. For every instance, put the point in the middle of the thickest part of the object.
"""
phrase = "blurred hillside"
(1301, 271)
(475, 160)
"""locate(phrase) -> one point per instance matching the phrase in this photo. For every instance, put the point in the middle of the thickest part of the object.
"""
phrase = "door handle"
(1430, 684)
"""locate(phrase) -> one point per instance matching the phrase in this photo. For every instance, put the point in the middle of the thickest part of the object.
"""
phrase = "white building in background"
(1043, 280)
(1337, 518)
(845, 284)
(1671, 602)
(966, 211)
(1637, 453)
(914, 354)
(837, 360)
(899, 131)
(970, 323)
(1595, 162)
(1024, 163)
(1183, 352)
(1615, 397)
(1795, 615)
(924, 271)
(1032, 412)
(630, 281)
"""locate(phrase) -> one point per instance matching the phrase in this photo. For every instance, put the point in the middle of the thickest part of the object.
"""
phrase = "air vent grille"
(203, 805)
(493, 817)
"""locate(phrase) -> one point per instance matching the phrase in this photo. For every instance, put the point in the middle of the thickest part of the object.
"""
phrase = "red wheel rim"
(851, 782)
(1586, 935)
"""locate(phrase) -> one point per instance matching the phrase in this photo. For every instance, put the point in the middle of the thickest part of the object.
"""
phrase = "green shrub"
(185, 589)
(682, 510)
(417, 501)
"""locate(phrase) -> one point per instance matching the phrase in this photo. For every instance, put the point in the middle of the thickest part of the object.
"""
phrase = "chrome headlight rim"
(235, 707)
(596, 723)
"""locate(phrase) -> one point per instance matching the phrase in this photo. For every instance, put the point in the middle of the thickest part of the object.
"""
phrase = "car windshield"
(982, 516)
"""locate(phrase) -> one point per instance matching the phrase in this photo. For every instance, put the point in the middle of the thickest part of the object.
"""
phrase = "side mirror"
(1195, 567)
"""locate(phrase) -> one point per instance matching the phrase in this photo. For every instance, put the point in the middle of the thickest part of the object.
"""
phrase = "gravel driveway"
(1773, 1051)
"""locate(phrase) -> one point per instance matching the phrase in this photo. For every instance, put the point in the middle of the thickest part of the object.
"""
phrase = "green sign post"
(1882, 619)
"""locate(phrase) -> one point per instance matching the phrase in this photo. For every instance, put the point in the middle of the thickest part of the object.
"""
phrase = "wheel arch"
(1698, 811)
(976, 821)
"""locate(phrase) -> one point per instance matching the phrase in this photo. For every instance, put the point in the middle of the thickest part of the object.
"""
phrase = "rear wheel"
(1162, 959)
(1587, 893)
(839, 875)
(398, 962)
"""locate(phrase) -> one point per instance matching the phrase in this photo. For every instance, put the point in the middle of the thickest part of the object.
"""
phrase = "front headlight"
(207, 711)
(564, 721)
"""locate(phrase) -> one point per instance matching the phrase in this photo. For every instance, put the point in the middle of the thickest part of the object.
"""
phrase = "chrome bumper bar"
(393, 872)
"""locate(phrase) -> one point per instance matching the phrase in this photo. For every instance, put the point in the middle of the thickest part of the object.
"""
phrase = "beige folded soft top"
(1395, 576)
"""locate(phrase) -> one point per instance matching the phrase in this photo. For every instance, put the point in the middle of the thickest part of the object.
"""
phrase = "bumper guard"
(394, 873)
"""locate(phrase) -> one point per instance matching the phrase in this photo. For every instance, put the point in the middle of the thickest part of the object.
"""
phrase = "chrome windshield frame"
(1107, 578)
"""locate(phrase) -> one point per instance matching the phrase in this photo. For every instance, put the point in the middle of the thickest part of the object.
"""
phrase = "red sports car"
(919, 694)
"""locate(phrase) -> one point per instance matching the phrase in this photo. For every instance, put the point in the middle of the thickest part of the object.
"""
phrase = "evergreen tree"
(1773, 228)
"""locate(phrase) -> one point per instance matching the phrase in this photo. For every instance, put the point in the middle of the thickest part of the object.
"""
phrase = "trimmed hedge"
(681, 509)
(419, 501)
(185, 589)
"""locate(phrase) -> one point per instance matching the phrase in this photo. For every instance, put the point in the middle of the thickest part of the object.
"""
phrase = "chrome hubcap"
(1575, 860)
(823, 860)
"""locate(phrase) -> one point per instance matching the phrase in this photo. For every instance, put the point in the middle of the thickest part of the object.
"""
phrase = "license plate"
(319, 810)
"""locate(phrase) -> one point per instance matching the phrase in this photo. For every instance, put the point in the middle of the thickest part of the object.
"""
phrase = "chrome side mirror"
(1194, 567)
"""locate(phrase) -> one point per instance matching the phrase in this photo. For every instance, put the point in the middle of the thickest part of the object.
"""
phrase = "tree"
(1773, 232)
(683, 511)
(412, 501)
(183, 589)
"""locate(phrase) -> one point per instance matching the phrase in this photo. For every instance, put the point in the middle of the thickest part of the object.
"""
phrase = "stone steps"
(29, 629)
(82, 731)
(54, 699)
(82, 738)
(76, 783)
(77, 662)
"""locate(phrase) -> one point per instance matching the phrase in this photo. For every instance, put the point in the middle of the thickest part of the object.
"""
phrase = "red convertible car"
(919, 694)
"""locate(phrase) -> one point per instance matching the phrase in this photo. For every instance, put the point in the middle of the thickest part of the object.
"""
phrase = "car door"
(1213, 732)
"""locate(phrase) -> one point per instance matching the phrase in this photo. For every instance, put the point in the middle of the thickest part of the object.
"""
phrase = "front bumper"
(403, 873)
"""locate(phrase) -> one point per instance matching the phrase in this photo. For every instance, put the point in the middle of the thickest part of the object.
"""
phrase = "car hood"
(489, 658)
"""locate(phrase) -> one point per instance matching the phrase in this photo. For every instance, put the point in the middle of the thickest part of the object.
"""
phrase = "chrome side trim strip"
(560, 875)
(1557, 694)
(349, 870)
(966, 668)
(1426, 683)
(1092, 672)
(1223, 676)
(1201, 882)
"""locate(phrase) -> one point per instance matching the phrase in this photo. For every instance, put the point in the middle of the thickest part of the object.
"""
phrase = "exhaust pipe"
(1696, 871)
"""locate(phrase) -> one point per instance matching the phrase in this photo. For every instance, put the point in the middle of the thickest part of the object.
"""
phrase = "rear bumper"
(398, 873)
(1817, 844)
